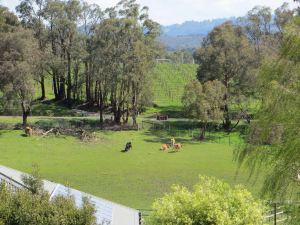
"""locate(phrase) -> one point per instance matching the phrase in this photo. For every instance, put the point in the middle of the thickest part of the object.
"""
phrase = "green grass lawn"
(135, 178)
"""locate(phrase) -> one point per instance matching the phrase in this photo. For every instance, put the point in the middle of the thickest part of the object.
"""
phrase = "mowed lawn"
(135, 178)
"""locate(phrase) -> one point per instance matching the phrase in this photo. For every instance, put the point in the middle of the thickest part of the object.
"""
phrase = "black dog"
(128, 146)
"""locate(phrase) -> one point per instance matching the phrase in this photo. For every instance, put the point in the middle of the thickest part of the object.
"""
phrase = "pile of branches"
(82, 134)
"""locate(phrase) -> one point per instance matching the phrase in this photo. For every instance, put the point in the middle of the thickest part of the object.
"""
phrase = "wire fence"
(283, 213)
(192, 130)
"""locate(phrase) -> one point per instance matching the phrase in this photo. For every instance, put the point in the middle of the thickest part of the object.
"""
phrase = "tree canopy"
(18, 57)
(204, 102)
(226, 56)
(211, 202)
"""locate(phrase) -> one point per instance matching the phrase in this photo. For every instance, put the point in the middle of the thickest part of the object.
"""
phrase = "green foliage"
(8, 20)
(204, 103)
(22, 207)
(34, 181)
(211, 202)
(226, 55)
(18, 56)
(274, 138)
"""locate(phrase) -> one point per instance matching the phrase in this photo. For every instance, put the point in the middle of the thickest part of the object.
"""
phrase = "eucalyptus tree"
(204, 102)
(18, 57)
(8, 20)
(283, 16)
(104, 61)
(55, 62)
(140, 40)
(90, 18)
(258, 26)
(227, 56)
(124, 52)
(73, 12)
(31, 13)
(62, 18)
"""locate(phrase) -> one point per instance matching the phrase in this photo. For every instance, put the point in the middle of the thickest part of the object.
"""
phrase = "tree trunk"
(62, 91)
(101, 104)
(127, 113)
(96, 94)
(43, 88)
(25, 113)
(54, 82)
(117, 115)
(87, 83)
(202, 132)
(69, 79)
(227, 120)
(134, 106)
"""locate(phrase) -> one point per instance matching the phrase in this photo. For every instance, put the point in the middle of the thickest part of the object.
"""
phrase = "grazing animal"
(178, 146)
(28, 131)
(128, 146)
(164, 147)
(173, 142)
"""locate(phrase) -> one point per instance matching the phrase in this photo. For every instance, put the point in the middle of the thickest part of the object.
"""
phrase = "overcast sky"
(177, 11)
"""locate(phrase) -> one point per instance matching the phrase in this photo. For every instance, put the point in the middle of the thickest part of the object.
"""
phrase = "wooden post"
(275, 213)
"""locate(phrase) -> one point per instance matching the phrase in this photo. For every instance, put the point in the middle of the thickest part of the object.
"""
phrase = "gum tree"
(204, 102)
(227, 56)
(18, 57)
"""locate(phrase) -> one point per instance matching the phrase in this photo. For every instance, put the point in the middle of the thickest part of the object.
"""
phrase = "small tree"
(211, 202)
(204, 102)
(18, 55)
(226, 55)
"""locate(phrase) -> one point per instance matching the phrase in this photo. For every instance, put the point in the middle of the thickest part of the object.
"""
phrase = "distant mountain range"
(188, 35)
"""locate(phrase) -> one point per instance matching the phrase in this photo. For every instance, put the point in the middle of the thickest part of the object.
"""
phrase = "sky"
(168, 12)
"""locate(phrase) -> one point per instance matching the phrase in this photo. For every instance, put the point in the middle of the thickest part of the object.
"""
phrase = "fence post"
(275, 213)
(140, 218)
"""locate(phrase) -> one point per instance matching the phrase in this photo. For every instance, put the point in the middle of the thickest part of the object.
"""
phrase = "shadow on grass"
(2, 132)
(68, 123)
(173, 151)
(187, 131)
(52, 108)
(171, 111)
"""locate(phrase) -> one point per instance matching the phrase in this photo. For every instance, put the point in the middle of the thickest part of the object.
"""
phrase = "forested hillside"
(188, 35)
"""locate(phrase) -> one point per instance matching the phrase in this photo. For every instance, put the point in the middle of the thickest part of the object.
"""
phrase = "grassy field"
(170, 80)
(135, 178)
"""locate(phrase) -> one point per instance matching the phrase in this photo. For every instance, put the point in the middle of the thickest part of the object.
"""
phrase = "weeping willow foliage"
(273, 143)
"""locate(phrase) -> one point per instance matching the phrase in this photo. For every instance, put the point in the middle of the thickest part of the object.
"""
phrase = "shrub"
(212, 202)
(33, 207)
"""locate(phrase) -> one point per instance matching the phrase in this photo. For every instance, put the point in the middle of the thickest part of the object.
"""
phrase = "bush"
(32, 207)
(212, 202)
